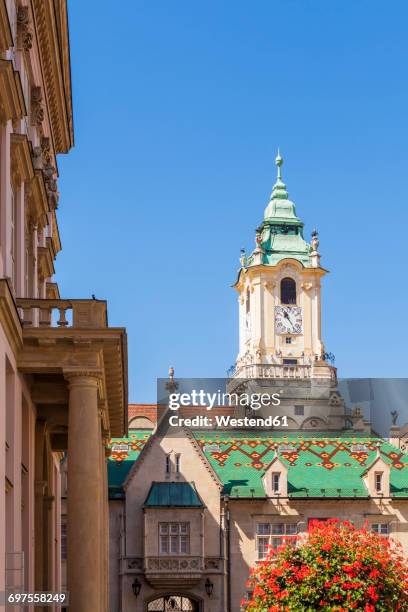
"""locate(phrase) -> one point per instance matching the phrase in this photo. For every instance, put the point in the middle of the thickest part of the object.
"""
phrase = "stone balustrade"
(253, 370)
(282, 371)
(87, 314)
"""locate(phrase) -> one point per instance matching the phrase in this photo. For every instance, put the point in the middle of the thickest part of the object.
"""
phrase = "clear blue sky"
(179, 108)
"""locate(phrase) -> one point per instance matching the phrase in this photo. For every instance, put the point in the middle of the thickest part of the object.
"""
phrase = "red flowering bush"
(335, 568)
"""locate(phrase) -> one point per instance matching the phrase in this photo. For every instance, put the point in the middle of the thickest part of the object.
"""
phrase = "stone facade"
(62, 369)
(321, 477)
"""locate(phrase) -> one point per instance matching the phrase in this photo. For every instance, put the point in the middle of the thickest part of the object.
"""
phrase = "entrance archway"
(172, 603)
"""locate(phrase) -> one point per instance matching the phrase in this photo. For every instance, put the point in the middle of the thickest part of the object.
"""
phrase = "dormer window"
(275, 481)
(288, 291)
(378, 482)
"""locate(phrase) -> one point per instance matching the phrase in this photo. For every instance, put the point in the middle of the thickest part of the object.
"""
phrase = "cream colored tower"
(279, 288)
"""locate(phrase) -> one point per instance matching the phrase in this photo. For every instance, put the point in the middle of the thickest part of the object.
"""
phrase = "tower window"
(299, 410)
(288, 340)
(168, 464)
(288, 291)
(178, 464)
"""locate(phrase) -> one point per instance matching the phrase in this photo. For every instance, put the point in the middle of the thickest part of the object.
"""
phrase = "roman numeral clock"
(288, 319)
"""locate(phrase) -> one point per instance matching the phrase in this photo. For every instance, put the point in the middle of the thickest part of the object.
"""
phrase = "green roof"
(319, 465)
(173, 495)
(280, 235)
(124, 452)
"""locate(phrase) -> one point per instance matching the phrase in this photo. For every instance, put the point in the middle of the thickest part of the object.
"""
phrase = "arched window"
(288, 291)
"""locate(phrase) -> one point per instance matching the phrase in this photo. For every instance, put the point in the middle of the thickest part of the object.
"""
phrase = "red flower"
(372, 593)
(362, 571)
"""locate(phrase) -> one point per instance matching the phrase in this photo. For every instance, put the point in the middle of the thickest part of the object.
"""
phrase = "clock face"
(288, 319)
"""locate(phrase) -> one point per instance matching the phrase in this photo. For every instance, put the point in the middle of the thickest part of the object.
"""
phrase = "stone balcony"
(89, 314)
(54, 339)
(168, 571)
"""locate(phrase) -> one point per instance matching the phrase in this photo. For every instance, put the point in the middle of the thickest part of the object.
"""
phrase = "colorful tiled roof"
(319, 465)
(124, 452)
(173, 495)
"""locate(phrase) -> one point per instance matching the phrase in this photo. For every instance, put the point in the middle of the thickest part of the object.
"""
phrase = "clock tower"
(279, 287)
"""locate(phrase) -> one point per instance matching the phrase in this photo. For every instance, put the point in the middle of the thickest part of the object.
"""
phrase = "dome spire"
(279, 189)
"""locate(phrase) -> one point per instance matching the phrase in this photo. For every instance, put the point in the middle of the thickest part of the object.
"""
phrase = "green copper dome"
(280, 235)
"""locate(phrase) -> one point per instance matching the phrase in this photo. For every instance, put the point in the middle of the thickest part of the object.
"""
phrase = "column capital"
(83, 376)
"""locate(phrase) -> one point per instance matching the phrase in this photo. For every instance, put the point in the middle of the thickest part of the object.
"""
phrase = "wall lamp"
(136, 586)
(209, 587)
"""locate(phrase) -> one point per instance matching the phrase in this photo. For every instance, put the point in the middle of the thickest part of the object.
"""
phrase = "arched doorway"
(172, 603)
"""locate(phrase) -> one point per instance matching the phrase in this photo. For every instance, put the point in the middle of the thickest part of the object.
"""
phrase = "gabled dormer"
(377, 477)
(275, 479)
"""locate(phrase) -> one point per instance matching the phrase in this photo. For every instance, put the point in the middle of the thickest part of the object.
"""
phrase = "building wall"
(245, 515)
(206, 536)
(228, 529)
(30, 138)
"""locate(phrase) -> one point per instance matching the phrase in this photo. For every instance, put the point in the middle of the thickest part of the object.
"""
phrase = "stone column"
(105, 523)
(85, 537)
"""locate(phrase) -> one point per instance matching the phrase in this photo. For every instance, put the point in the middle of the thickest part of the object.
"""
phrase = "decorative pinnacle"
(279, 189)
(279, 162)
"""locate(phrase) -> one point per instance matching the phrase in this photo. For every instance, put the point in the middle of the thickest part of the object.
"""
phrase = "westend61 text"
(228, 421)
(210, 400)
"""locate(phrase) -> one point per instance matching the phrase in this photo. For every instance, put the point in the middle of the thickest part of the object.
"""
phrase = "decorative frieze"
(173, 564)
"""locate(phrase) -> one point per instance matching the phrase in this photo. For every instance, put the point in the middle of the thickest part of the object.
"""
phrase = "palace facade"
(191, 510)
(63, 382)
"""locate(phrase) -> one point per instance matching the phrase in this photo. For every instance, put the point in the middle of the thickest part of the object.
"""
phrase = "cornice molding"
(6, 38)
(54, 55)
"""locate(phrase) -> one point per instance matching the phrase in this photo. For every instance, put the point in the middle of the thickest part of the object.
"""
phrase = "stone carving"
(315, 241)
(173, 564)
(46, 149)
(51, 186)
(335, 399)
(212, 563)
(25, 33)
(136, 563)
(37, 158)
(37, 109)
(269, 285)
(394, 416)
